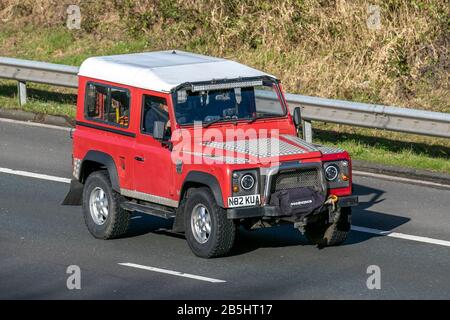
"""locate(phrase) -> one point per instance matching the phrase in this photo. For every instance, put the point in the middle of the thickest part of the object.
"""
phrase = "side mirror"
(158, 130)
(297, 116)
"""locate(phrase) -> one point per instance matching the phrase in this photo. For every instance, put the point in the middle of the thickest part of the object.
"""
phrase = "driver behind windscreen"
(156, 112)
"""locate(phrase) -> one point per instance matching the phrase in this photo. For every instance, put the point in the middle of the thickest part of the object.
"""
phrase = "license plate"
(242, 201)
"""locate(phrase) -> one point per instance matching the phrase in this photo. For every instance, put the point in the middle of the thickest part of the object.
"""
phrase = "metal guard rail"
(406, 120)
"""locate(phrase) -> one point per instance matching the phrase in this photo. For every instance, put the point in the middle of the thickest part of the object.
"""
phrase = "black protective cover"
(297, 201)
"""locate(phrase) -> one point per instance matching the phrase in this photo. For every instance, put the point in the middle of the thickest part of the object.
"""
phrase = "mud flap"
(75, 195)
(178, 223)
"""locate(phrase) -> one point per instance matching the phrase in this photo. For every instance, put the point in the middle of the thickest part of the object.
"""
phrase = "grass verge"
(41, 99)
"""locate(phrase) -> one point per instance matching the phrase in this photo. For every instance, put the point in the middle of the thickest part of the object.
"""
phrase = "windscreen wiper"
(207, 124)
(261, 117)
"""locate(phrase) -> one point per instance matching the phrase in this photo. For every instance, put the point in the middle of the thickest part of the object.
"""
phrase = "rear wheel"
(209, 232)
(104, 217)
(323, 233)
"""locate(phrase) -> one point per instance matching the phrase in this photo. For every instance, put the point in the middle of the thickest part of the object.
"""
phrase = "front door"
(153, 168)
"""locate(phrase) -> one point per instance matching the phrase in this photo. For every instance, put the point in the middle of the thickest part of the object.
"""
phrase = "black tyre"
(208, 231)
(104, 217)
(326, 234)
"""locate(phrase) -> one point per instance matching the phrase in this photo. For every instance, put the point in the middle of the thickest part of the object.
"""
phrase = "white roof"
(163, 70)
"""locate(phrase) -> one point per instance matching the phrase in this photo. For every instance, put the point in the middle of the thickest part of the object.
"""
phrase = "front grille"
(296, 179)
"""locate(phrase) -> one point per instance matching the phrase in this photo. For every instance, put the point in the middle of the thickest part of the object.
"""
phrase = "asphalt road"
(39, 239)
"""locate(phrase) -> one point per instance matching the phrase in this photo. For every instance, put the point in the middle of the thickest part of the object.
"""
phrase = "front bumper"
(253, 212)
(274, 212)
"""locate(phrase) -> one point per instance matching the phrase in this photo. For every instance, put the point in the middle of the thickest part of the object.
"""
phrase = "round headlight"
(247, 181)
(331, 172)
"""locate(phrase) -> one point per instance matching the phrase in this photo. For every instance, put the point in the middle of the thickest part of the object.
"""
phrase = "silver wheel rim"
(98, 206)
(201, 223)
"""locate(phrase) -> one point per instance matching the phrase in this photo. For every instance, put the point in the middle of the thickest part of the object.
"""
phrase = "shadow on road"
(286, 235)
(143, 223)
(367, 196)
(364, 215)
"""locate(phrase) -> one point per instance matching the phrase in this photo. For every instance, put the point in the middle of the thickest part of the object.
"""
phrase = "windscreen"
(238, 103)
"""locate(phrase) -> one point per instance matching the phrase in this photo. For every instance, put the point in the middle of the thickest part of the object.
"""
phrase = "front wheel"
(209, 232)
(324, 234)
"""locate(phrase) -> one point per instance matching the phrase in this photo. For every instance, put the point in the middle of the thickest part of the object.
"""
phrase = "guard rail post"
(22, 92)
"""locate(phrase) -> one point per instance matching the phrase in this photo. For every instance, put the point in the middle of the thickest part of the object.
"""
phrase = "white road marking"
(402, 236)
(174, 273)
(400, 179)
(34, 124)
(34, 175)
(355, 228)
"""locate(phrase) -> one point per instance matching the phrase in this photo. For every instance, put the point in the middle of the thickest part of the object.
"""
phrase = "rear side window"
(107, 104)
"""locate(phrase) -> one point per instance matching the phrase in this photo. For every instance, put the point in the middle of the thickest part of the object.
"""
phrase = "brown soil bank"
(336, 49)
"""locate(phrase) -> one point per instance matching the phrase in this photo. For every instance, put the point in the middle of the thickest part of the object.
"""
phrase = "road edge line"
(35, 124)
(400, 179)
(34, 175)
(403, 236)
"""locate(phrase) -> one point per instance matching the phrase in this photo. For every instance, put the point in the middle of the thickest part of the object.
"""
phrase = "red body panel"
(340, 156)
(157, 174)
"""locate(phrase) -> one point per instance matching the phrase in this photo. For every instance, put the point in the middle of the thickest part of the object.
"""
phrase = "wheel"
(209, 232)
(104, 217)
(324, 234)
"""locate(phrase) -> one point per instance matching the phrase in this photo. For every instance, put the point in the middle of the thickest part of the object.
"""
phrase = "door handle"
(141, 159)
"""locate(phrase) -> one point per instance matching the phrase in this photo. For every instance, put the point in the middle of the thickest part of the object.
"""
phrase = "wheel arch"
(198, 179)
(95, 160)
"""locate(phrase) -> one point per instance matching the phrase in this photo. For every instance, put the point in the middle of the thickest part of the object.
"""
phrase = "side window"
(95, 104)
(154, 109)
(107, 104)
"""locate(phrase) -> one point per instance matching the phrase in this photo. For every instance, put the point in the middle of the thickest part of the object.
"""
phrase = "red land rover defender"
(207, 142)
